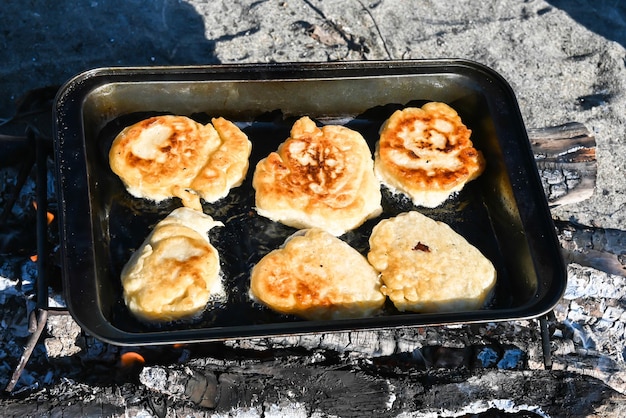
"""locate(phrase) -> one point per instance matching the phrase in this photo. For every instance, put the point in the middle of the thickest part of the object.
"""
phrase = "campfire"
(46, 355)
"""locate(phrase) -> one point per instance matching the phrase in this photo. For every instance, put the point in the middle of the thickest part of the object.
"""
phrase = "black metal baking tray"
(504, 212)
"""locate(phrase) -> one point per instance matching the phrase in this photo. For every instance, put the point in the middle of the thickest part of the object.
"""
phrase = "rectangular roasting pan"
(504, 212)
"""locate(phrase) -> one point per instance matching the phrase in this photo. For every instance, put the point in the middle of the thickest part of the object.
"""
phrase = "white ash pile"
(14, 332)
(591, 335)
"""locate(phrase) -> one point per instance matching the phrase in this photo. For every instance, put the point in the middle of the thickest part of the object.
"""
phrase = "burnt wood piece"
(601, 248)
(275, 388)
(471, 368)
(566, 160)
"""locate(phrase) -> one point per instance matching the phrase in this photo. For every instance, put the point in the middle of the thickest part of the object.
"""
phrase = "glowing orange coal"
(49, 218)
(131, 359)
(49, 215)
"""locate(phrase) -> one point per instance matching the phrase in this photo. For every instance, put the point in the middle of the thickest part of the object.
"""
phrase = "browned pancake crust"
(319, 177)
(317, 276)
(227, 165)
(167, 156)
(172, 274)
(427, 149)
(427, 267)
(170, 158)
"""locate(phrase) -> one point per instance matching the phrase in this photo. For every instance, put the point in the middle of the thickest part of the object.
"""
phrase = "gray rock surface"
(564, 60)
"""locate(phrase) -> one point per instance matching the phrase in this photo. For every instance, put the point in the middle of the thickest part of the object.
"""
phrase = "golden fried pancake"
(427, 267)
(167, 156)
(173, 274)
(426, 153)
(227, 166)
(319, 177)
(317, 276)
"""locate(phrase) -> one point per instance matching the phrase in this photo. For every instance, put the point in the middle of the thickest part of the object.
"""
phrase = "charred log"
(280, 389)
(566, 160)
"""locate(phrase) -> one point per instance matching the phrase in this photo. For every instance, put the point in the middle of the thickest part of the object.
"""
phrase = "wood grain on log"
(275, 388)
(566, 160)
(601, 248)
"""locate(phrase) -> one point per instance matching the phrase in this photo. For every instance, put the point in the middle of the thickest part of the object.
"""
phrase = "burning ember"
(25, 172)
